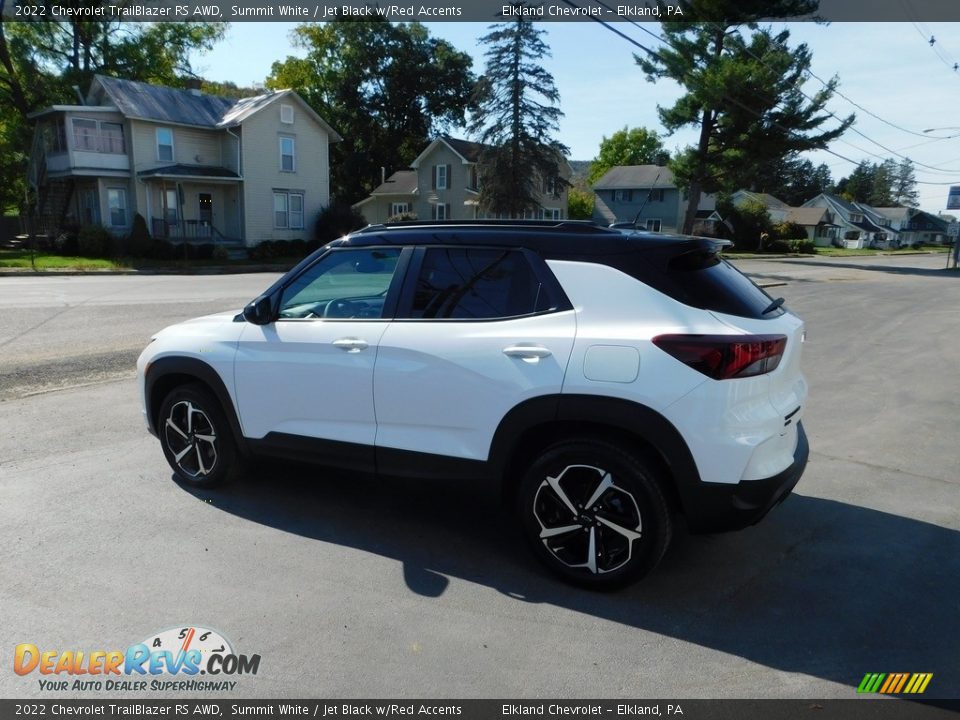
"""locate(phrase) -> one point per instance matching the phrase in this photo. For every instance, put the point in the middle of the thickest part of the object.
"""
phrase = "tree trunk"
(703, 146)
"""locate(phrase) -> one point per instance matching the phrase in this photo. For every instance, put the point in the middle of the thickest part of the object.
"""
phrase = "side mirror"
(259, 311)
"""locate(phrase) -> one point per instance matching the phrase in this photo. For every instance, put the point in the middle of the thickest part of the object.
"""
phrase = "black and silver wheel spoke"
(586, 520)
(191, 438)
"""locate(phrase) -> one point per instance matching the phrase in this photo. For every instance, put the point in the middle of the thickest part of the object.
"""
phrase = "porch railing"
(183, 230)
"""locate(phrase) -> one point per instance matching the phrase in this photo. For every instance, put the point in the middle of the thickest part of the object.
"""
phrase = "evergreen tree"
(742, 90)
(904, 190)
(517, 113)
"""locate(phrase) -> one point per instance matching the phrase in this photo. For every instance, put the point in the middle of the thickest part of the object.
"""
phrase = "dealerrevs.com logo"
(169, 660)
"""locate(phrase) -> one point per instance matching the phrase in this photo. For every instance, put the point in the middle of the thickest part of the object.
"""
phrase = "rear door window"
(477, 283)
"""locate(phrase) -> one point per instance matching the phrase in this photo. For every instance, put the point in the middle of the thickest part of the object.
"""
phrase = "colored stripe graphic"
(870, 682)
(895, 683)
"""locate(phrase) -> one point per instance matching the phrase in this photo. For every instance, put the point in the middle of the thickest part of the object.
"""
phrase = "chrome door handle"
(527, 352)
(351, 345)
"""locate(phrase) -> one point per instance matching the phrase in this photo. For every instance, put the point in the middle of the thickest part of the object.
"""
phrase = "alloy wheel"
(192, 439)
(586, 520)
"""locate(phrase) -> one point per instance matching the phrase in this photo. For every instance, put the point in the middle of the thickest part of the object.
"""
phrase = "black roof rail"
(571, 226)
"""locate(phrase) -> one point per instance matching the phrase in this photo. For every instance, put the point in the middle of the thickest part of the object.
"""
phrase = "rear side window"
(702, 279)
(476, 283)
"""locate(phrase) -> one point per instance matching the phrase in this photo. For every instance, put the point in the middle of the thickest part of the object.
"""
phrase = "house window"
(287, 152)
(622, 195)
(399, 208)
(653, 224)
(440, 211)
(550, 186)
(442, 179)
(856, 218)
(93, 136)
(549, 214)
(287, 210)
(165, 144)
(117, 202)
(656, 195)
(85, 135)
(286, 114)
(111, 138)
(54, 136)
(171, 202)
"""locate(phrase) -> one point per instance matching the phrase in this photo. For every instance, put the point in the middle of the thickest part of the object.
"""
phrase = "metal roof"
(153, 102)
(632, 177)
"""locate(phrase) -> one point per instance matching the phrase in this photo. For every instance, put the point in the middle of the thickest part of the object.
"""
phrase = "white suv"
(610, 380)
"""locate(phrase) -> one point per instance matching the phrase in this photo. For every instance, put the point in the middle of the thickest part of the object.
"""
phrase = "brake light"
(725, 356)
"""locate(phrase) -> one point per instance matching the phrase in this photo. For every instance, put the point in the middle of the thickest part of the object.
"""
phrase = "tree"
(881, 184)
(791, 179)
(41, 60)
(742, 90)
(579, 204)
(904, 188)
(517, 112)
(634, 146)
(387, 89)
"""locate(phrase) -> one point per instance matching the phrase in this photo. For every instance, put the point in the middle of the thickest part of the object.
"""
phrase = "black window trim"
(537, 263)
(390, 302)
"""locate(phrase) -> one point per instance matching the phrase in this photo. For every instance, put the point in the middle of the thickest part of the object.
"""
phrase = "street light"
(930, 130)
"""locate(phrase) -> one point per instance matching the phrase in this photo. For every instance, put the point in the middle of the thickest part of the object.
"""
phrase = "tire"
(196, 438)
(605, 544)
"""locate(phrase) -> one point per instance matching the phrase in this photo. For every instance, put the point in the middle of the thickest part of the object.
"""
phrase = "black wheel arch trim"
(625, 415)
(201, 372)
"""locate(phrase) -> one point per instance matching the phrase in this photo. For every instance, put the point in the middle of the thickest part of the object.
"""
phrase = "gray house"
(859, 225)
(443, 185)
(197, 167)
(648, 195)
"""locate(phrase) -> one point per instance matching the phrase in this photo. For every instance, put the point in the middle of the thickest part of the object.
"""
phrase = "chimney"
(383, 174)
(194, 84)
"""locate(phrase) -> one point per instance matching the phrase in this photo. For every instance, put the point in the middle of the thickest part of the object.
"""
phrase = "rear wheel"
(594, 513)
(196, 437)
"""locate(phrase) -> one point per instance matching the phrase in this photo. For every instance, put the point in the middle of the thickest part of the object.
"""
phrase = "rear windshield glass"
(702, 279)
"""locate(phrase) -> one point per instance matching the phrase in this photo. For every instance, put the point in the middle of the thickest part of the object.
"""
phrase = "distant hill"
(580, 170)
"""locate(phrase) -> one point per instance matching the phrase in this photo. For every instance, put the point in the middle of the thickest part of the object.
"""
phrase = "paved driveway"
(350, 587)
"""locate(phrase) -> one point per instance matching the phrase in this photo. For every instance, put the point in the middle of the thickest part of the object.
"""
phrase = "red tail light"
(725, 356)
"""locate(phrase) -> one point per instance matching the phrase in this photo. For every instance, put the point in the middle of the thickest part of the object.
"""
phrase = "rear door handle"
(530, 353)
(351, 345)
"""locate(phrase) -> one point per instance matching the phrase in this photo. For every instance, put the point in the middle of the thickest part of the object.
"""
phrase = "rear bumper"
(719, 507)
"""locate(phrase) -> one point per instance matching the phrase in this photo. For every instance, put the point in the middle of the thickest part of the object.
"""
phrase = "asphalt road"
(347, 587)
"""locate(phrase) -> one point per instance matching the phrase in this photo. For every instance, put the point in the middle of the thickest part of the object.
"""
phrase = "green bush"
(139, 243)
(787, 231)
(220, 253)
(402, 217)
(335, 221)
(805, 247)
(93, 241)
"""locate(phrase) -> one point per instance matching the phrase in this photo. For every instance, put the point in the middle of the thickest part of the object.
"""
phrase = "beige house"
(443, 185)
(197, 167)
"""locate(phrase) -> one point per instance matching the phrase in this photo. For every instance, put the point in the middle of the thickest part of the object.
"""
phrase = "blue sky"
(888, 68)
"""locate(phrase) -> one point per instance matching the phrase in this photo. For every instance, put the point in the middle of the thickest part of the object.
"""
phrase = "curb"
(210, 270)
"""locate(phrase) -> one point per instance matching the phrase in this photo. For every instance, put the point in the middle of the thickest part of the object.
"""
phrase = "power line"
(753, 111)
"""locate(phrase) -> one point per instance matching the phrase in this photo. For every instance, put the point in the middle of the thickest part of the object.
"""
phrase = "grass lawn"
(840, 252)
(48, 261)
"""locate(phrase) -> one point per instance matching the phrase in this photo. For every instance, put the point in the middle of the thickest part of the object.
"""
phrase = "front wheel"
(594, 513)
(196, 437)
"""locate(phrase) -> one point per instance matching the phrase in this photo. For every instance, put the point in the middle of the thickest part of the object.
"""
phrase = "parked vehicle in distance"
(608, 380)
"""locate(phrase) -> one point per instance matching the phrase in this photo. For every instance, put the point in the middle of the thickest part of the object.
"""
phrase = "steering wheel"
(341, 308)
